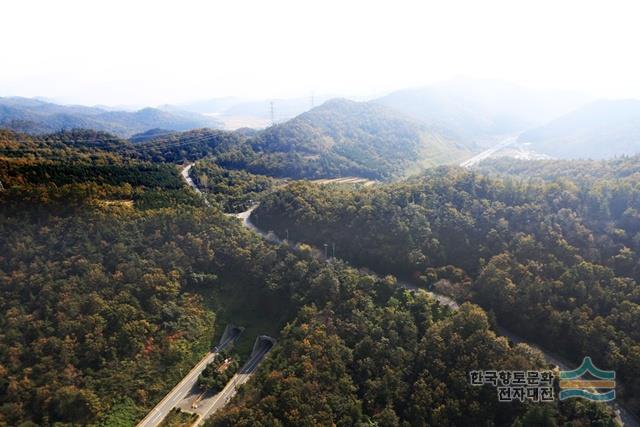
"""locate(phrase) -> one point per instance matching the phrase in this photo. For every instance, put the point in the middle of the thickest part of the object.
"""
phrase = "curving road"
(624, 416)
(185, 175)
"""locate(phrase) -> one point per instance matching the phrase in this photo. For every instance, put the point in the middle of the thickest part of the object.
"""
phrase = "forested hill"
(557, 260)
(626, 167)
(599, 130)
(342, 138)
(177, 147)
(115, 279)
(338, 138)
(38, 117)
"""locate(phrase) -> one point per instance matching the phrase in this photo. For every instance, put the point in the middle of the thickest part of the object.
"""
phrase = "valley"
(491, 242)
(625, 416)
(319, 214)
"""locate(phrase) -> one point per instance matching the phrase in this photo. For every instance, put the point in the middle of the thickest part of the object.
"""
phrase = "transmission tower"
(273, 120)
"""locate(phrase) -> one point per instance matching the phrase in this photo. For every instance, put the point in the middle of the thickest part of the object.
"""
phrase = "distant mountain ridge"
(237, 112)
(36, 116)
(473, 110)
(337, 139)
(599, 130)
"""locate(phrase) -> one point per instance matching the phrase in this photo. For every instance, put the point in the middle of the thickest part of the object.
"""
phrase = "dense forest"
(116, 278)
(105, 273)
(104, 305)
(346, 138)
(555, 260)
(232, 190)
(217, 373)
(579, 171)
(365, 352)
(338, 138)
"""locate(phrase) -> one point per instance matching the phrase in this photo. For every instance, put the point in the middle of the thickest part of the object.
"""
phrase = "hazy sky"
(153, 52)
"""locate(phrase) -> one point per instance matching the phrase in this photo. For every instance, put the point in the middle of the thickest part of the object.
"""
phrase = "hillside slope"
(341, 138)
(599, 130)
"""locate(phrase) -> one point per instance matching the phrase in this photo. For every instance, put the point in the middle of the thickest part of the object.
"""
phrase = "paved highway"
(244, 217)
(183, 388)
(208, 407)
(489, 152)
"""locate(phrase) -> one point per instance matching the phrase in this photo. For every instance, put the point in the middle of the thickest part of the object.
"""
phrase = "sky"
(155, 52)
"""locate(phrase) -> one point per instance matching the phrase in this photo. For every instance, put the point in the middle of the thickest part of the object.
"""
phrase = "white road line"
(154, 417)
(178, 391)
(249, 367)
(489, 152)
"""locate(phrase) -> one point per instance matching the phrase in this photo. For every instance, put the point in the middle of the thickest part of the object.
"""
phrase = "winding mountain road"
(624, 416)
(185, 175)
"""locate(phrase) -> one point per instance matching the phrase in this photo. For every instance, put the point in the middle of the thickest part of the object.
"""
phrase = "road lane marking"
(249, 367)
(179, 388)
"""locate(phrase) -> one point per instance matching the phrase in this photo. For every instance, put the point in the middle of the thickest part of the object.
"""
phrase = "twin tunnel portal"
(188, 397)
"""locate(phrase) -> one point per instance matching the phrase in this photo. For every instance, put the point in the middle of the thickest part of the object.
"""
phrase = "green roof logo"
(600, 389)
